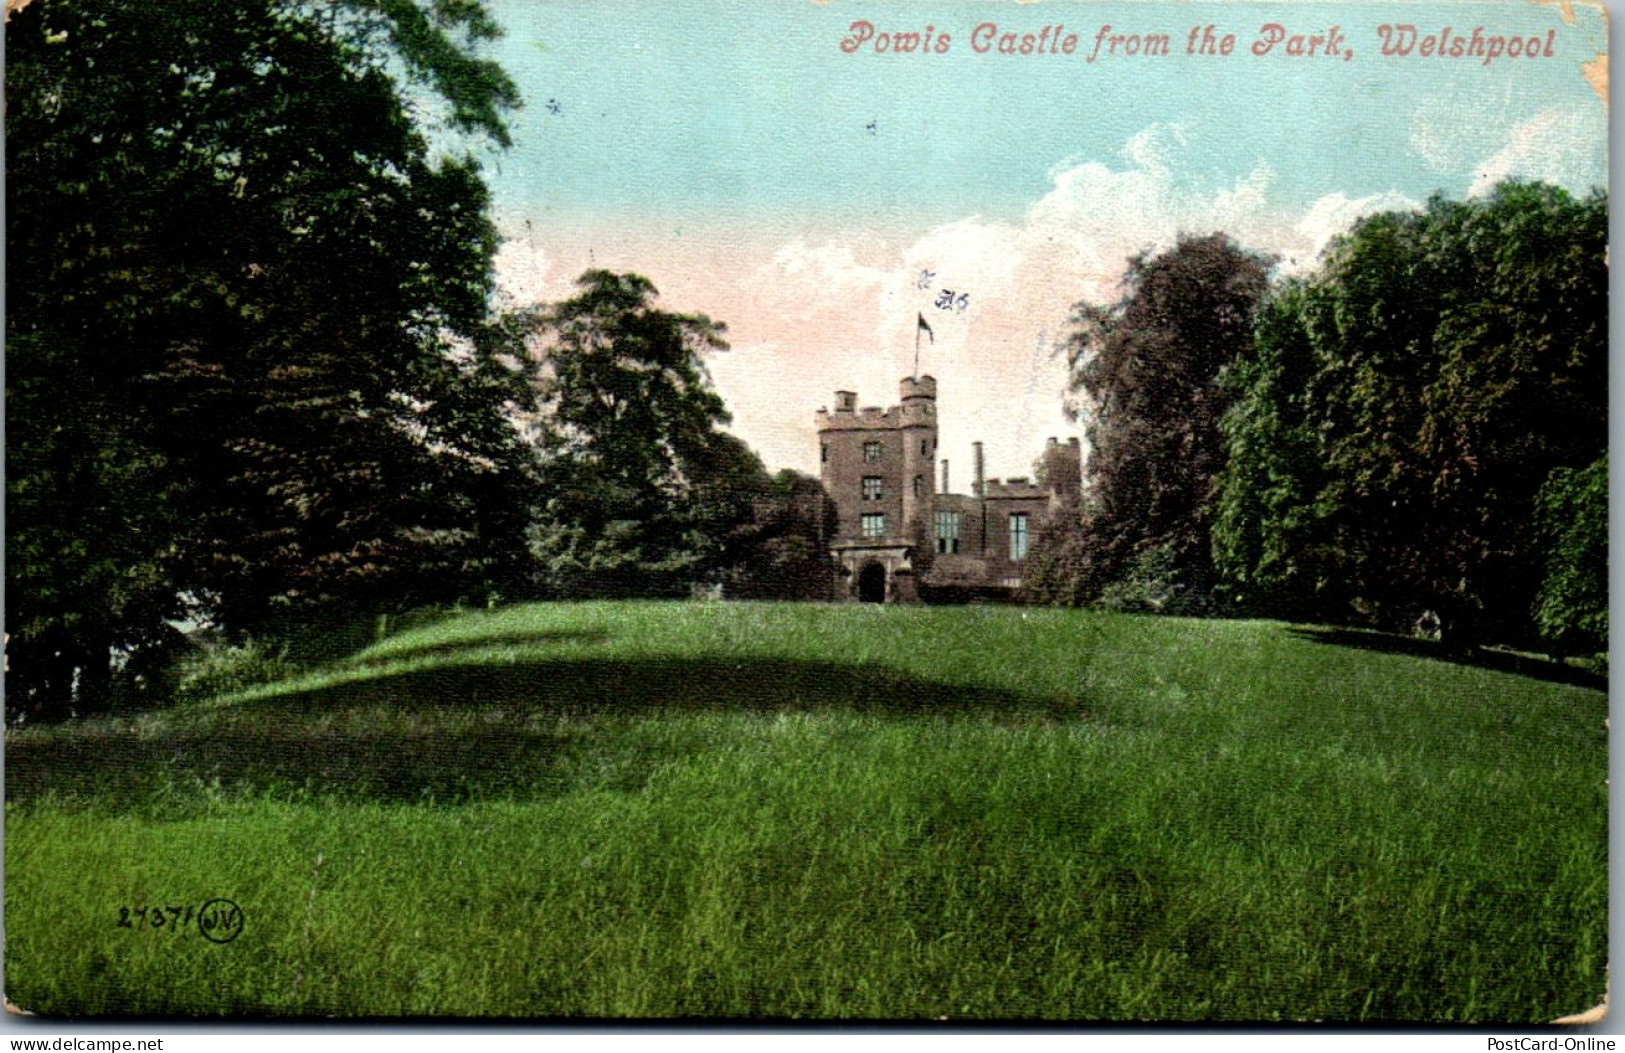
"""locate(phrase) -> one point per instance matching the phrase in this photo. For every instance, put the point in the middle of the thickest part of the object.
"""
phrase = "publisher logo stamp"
(220, 921)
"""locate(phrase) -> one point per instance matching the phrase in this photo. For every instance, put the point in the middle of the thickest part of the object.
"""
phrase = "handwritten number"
(124, 918)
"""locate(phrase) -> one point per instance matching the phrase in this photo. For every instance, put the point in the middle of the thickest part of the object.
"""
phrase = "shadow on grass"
(1495, 661)
(464, 645)
(620, 686)
(528, 729)
(172, 773)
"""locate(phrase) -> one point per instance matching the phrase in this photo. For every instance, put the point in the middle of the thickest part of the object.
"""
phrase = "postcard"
(949, 511)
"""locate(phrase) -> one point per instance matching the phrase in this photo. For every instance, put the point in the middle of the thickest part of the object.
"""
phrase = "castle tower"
(1062, 470)
(860, 465)
(898, 538)
(919, 427)
(877, 464)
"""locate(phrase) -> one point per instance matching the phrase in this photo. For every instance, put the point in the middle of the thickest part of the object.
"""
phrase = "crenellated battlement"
(917, 409)
(918, 388)
(870, 417)
(1018, 487)
(897, 530)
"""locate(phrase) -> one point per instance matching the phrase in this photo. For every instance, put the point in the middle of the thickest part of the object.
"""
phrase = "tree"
(1571, 609)
(643, 485)
(782, 553)
(1264, 542)
(1409, 402)
(1061, 569)
(250, 364)
(1149, 368)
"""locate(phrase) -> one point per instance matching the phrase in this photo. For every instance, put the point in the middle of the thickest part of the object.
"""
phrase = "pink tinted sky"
(810, 312)
(758, 173)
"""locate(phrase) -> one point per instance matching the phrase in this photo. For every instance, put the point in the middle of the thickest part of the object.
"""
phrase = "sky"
(819, 200)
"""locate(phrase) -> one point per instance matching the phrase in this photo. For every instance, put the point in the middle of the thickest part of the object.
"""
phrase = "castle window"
(871, 488)
(919, 485)
(871, 452)
(874, 524)
(1018, 535)
(947, 533)
(925, 447)
(823, 452)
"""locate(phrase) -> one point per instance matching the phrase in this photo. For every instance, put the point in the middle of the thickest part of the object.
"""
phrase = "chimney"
(1051, 441)
(846, 401)
(976, 469)
(944, 489)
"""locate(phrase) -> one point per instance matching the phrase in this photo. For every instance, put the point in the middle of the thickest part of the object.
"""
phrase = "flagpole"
(919, 323)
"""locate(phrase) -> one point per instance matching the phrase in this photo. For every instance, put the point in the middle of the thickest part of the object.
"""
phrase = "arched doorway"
(872, 584)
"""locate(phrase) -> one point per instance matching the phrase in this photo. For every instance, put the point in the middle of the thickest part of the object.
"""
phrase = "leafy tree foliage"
(643, 485)
(1407, 404)
(1571, 609)
(1149, 368)
(783, 552)
(250, 367)
(1263, 532)
(1060, 566)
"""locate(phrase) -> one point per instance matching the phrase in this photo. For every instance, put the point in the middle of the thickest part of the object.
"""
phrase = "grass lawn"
(672, 810)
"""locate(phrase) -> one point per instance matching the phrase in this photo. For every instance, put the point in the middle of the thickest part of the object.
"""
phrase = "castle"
(901, 535)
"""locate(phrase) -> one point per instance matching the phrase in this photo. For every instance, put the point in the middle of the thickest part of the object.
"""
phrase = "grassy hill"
(808, 811)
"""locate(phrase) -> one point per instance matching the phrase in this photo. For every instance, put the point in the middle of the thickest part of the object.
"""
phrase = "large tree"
(643, 487)
(1409, 402)
(1266, 541)
(1148, 368)
(250, 367)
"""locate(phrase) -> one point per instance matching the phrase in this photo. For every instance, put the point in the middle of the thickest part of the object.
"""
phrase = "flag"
(926, 327)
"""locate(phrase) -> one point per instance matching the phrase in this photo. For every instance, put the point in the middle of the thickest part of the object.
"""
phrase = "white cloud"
(1103, 216)
(842, 313)
(1555, 145)
(1448, 132)
(1331, 216)
(1155, 149)
(969, 254)
(1558, 146)
(812, 313)
(831, 265)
